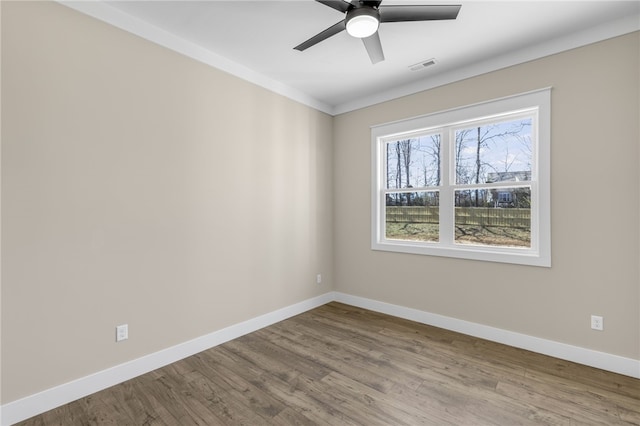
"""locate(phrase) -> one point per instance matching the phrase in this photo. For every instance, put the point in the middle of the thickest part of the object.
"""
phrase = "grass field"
(500, 236)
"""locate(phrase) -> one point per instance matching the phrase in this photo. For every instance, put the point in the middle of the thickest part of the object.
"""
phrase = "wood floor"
(340, 365)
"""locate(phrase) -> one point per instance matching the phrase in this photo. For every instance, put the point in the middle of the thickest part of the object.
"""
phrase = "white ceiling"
(255, 40)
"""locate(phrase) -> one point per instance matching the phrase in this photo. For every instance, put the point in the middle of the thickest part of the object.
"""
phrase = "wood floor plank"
(134, 401)
(585, 398)
(556, 403)
(156, 413)
(342, 365)
(380, 408)
(313, 398)
(346, 360)
(629, 416)
(101, 414)
(169, 392)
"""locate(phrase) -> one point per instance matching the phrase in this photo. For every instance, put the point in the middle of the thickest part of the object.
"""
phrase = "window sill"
(510, 255)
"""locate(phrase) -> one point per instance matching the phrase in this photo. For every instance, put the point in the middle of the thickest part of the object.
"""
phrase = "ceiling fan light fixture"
(362, 22)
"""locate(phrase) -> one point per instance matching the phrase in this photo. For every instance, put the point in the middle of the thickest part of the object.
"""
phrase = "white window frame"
(537, 103)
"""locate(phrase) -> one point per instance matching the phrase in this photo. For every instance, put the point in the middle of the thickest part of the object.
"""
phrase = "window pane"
(412, 216)
(413, 162)
(493, 217)
(495, 152)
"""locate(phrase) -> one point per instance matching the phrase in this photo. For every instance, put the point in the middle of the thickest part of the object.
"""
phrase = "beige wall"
(142, 187)
(594, 213)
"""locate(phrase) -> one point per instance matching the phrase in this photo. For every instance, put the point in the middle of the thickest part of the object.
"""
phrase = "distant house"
(509, 197)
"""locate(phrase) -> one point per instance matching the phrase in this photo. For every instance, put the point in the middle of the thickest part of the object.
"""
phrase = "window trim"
(539, 254)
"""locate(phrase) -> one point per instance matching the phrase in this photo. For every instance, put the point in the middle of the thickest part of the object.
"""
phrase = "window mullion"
(446, 188)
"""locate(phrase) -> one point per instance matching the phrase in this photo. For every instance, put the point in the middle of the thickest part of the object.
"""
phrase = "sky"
(505, 146)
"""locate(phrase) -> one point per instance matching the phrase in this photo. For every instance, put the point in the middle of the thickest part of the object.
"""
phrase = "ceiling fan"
(362, 18)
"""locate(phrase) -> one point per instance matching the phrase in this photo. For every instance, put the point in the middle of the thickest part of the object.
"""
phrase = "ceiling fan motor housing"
(363, 17)
(362, 22)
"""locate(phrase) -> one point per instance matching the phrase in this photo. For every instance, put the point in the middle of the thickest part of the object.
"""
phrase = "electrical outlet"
(122, 332)
(319, 279)
(597, 322)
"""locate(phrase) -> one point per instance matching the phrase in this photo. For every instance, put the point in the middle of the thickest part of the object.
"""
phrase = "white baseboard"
(38, 403)
(614, 363)
(33, 405)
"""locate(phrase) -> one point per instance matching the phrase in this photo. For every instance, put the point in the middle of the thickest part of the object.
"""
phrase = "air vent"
(422, 64)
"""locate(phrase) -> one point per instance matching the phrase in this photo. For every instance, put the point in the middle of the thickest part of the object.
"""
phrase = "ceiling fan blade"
(402, 13)
(331, 31)
(374, 48)
(339, 5)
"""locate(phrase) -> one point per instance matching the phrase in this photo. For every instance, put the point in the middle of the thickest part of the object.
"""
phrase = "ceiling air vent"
(422, 64)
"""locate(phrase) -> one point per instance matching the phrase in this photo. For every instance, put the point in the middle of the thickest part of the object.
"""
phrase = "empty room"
(238, 213)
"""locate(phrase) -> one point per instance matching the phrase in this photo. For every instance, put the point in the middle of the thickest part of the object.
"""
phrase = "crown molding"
(113, 16)
(592, 35)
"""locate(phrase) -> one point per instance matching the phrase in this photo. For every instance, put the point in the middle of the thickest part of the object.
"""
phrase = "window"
(471, 182)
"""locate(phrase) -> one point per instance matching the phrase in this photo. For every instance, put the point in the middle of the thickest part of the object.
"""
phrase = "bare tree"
(461, 171)
(405, 147)
(483, 138)
(388, 164)
(506, 164)
(398, 166)
(413, 163)
(434, 152)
